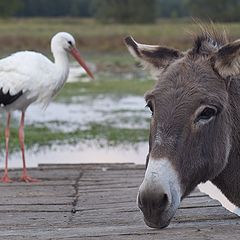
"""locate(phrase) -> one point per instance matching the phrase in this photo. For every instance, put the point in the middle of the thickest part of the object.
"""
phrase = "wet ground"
(124, 112)
(88, 152)
(79, 113)
(128, 112)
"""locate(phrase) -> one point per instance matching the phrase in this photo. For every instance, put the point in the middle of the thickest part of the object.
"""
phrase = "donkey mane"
(209, 40)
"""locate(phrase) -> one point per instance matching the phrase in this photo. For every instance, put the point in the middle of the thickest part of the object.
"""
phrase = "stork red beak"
(75, 53)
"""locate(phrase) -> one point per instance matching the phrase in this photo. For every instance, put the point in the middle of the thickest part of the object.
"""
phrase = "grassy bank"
(107, 86)
(93, 36)
(116, 74)
(43, 136)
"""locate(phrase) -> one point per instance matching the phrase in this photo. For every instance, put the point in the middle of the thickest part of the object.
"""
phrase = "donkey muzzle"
(159, 195)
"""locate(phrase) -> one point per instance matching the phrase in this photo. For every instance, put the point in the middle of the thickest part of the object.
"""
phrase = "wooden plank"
(91, 185)
(32, 220)
(35, 208)
(46, 174)
(113, 196)
(199, 202)
(111, 178)
(99, 202)
(131, 215)
(93, 166)
(39, 183)
(197, 194)
(99, 205)
(36, 200)
(101, 188)
(127, 173)
(219, 231)
(201, 214)
(34, 191)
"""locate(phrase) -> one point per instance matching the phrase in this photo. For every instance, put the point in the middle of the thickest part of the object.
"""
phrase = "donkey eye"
(150, 106)
(206, 114)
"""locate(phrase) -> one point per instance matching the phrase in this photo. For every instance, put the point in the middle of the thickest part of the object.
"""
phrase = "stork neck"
(61, 59)
(61, 62)
(62, 65)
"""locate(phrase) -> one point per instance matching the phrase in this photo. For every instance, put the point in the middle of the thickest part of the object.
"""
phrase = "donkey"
(194, 130)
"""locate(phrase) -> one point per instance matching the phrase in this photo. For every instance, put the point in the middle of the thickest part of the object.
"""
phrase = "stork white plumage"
(27, 77)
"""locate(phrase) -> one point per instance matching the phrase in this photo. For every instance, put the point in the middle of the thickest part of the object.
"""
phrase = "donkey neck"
(228, 181)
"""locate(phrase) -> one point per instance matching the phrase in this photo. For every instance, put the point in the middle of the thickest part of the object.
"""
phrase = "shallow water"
(79, 113)
(76, 72)
(88, 152)
(124, 112)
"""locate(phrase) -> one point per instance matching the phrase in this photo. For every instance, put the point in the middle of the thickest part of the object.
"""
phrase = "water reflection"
(88, 152)
(123, 112)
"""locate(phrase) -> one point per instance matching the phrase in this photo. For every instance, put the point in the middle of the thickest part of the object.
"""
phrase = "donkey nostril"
(146, 202)
(163, 202)
(160, 202)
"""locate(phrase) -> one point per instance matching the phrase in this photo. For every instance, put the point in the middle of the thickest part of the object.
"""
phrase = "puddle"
(124, 112)
(76, 72)
(79, 114)
(88, 152)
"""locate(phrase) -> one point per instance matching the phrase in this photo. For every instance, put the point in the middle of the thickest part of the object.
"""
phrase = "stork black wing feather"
(7, 98)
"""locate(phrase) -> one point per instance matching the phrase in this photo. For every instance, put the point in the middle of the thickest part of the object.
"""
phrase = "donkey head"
(190, 131)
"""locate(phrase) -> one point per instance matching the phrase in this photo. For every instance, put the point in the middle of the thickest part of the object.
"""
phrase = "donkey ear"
(154, 58)
(227, 59)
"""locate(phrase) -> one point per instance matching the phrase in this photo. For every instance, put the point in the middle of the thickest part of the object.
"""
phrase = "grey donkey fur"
(195, 108)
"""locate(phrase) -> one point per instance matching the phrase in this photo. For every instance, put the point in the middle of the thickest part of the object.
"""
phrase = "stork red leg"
(24, 176)
(5, 177)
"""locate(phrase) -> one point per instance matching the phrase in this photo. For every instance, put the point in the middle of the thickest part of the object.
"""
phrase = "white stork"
(27, 77)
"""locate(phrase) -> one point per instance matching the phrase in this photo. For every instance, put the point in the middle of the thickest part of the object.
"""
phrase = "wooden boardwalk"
(99, 202)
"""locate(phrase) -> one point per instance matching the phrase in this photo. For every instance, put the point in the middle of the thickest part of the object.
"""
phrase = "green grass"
(92, 36)
(106, 60)
(43, 136)
(103, 45)
(40, 134)
(112, 87)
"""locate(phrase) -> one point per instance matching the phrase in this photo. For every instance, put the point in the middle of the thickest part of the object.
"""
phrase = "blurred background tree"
(10, 7)
(32, 23)
(54, 8)
(171, 9)
(124, 11)
(217, 10)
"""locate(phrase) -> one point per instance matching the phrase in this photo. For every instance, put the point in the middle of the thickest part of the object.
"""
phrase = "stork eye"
(150, 106)
(70, 43)
(206, 114)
